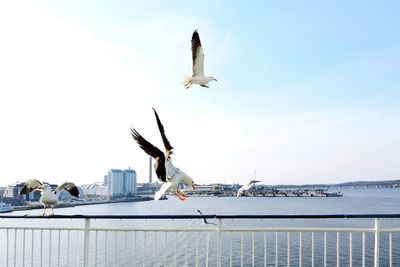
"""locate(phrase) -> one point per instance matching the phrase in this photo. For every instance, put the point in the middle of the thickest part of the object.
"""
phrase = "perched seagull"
(246, 187)
(198, 65)
(205, 220)
(167, 173)
(48, 197)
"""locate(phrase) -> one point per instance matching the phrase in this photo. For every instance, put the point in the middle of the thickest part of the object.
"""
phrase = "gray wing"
(31, 185)
(197, 55)
(70, 187)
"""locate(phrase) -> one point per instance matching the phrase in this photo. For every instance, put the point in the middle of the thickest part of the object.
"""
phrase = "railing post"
(219, 252)
(376, 250)
(86, 243)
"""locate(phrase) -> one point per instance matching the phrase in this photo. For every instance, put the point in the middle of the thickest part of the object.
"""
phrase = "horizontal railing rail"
(207, 216)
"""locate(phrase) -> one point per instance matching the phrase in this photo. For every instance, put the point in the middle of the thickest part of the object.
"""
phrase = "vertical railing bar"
(312, 249)
(23, 247)
(50, 241)
(126, 245)
(350, 249)
(197, 249)
(165, 248)
(176, 247)
(300, 249)
(252, 250)
(288, 249)
(155, 251)
(390, 249)
(135, 249)
(230, 249)
(219, 245)
(86, 242)
(69, 233)
(376, 248)
(185, 248)
(145, 249)
(241, 249)
(338, 249)
(41, 247)
(59, 248)
(105, 247)
(207, 247)
(32, 239)
(95, 247)
(76, 248)
(8, 246)
(15, 247)
(276, 249)
(115, 249)
(325, 253)
(265, 249)
(363, 250)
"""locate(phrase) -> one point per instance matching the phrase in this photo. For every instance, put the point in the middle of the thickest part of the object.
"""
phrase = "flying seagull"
(246, 187)
(167, 173)
(48, 197)
(198, 65)
(205, 220)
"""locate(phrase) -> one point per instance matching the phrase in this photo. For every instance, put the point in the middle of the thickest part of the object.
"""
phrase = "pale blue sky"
(307, 91)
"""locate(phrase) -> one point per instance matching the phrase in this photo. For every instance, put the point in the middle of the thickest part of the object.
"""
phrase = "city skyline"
(306, 92)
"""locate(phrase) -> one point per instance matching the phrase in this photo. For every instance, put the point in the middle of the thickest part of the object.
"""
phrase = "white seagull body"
(166, 172)
(246, 187)
(175, 178)
(198, 65)
(48, 198)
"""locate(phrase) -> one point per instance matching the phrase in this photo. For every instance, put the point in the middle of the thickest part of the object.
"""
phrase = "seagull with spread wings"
(198, 65)
(48, 197)
(167, 173)
(246, 187)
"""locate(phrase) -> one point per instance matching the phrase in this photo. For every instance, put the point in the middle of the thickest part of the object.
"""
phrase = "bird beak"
(215, 80)
(194, 188)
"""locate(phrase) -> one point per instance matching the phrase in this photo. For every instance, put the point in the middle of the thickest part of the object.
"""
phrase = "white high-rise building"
(121, 183)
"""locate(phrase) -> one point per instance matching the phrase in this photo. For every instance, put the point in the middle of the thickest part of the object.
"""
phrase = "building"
(121, 183)
(95, 190)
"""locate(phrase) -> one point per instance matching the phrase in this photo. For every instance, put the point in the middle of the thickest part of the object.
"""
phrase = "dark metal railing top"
(206, 216)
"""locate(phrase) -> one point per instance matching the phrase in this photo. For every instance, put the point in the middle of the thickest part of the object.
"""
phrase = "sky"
(307, 91)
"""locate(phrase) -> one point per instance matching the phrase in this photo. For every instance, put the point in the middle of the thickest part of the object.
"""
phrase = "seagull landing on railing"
(167, 173)
(246, 187)
(198, 65)
(48, 198)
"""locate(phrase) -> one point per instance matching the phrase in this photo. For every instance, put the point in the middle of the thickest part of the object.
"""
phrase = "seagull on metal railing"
(246, 187)
(198, 65)
(48, 197)
(167, 173)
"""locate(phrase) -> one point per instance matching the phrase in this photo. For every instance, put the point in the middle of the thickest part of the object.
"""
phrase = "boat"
(5, 207)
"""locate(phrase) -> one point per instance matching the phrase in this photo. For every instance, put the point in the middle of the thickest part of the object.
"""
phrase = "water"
(354, 201)
(357, 201)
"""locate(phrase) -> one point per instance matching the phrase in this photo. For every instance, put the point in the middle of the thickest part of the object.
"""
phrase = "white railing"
(247, 240)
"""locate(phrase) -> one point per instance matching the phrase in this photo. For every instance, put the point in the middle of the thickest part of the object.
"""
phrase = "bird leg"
(180, 195)
(44, 211)
(52, 210)
(189, 83)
